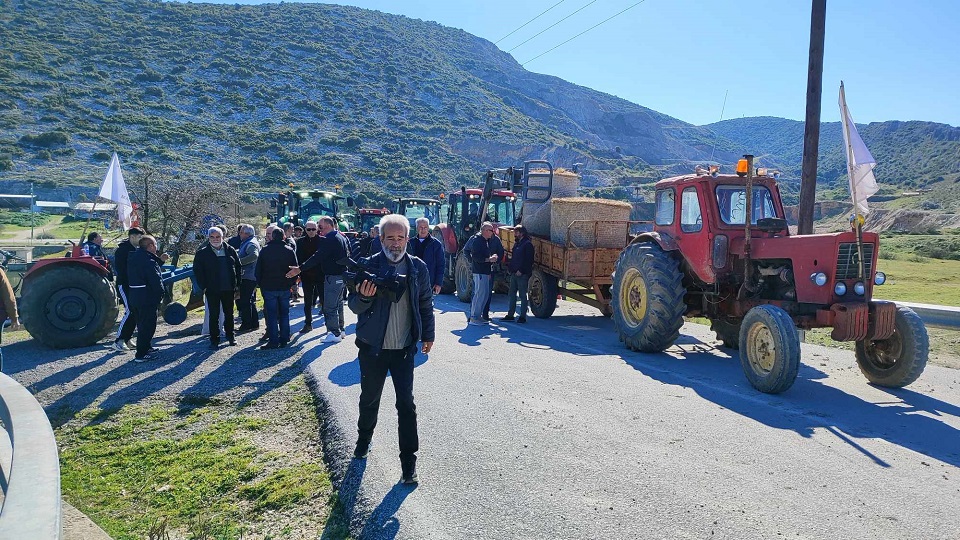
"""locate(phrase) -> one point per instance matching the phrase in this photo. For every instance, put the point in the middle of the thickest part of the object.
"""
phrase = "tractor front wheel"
(647, 298)
(464, 277)
(769, 349)
(898, 360)
(542, 291)
(68, 306)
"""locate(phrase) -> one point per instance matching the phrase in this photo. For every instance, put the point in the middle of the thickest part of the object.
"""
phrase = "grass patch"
(194, 467)
(932, 281)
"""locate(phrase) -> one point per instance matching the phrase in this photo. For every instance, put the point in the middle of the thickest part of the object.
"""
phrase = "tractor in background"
(414, 208)
(301, 206)
(369, 217)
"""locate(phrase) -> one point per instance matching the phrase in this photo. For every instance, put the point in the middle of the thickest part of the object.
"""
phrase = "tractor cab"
(414, 208)
(468, 209)
(299, 207)
(369, 217)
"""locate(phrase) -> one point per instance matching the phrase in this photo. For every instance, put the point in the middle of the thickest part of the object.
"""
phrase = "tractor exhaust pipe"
(747, 286)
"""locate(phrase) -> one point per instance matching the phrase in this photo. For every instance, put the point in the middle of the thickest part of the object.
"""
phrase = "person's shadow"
(383, 523)
(348, 373)
(348, 493)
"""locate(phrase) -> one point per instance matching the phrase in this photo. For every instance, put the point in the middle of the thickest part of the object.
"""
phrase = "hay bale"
(536, 215)
(588, 233)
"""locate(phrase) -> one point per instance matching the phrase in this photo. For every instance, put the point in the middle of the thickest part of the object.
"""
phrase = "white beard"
(390, 256)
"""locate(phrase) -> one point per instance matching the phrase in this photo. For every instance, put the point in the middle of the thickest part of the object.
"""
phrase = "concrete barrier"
(30, 467)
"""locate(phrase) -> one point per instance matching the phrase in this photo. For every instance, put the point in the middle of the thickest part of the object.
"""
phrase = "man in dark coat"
(311, 279)
(146, 293)
(387, 334)
(430, 251)
(128, 324)
(520, 268)
(483, 258)
(217, 270)
(332, 249)
(276, 259)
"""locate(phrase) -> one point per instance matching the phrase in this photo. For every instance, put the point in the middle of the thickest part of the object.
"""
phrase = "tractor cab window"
(665, 207)
(691, 220)
(500, 210)
(732, 203)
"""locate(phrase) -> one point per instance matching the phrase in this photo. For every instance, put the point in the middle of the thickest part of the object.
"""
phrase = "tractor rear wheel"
(898, 360)
(769, 349)
(542, 291)
(68, 306)
(464, 277)
(647, 298)
(449, 285)
(728, 331)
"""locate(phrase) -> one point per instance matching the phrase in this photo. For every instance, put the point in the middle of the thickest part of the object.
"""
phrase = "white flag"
(860, 162)
(115, 189)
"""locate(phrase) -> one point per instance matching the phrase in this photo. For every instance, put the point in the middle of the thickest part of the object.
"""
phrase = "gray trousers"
(333, 303)
(481, 293)
(518, 285)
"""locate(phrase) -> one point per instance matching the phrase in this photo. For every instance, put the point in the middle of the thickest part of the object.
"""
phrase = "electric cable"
(584, 32)
(528, 22)
(554, 24)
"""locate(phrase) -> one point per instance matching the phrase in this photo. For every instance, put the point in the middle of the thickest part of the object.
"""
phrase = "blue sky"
(899, 60)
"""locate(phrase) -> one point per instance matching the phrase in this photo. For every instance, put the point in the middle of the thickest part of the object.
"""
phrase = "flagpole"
(89, 217)
(857, 225)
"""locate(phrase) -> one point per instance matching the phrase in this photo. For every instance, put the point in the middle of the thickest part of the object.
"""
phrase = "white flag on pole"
(115, 189)
(860, 162)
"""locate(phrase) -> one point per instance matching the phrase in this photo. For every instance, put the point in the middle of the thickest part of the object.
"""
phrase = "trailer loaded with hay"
(577, 241)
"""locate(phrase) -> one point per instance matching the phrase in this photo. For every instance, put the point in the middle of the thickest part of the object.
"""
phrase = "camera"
(389, 283)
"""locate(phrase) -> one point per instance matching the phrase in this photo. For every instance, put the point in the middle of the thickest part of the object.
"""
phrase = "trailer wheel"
(647, 298)
(769, 349)
(68, 306)
(728, 331)
(464, 277)
(542, 291)
(898, 360)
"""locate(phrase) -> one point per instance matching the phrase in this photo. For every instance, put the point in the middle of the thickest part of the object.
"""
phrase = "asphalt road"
(553, 430)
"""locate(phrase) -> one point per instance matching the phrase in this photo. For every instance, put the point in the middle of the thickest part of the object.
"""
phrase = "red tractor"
(757, 283)
(368, 217)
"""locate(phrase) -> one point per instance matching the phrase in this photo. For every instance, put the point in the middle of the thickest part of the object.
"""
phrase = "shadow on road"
(348, 374)
(338, 525)
(383, 523)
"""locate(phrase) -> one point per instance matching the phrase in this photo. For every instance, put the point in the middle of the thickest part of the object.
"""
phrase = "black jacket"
(480, 250)
(373, 313)
(333, 247)
(431, 252)
(521, 258)
(206, 268)
(143, 272)
(120, 257)
(274, 262)
(306, 247)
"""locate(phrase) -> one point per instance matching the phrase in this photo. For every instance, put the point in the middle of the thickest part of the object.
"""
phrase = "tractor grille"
(848, 261)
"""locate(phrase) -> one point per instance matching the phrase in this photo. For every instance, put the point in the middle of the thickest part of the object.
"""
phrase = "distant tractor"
(369, 217)
(757, 283)
(301, 206)
(494, 201)
(68, 301)
(415, 208)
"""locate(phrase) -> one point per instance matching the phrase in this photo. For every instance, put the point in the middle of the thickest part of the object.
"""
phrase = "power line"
(584, 32)
(722, 109)
(528, 22)
(554, 24)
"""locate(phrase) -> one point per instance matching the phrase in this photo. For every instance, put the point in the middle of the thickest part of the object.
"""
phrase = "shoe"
(270, 346)
(144, 358)
(118, 346)
(508, 318)
(410, 477)
(244, 329)
(333, 338)
(306, 328)
(362, 450)
(522, 320)
(284, 344)
(476, 322)
(129, 344)
(153, 350)
(214, 346)
(486, 318)
(232, 343)
(263, 339)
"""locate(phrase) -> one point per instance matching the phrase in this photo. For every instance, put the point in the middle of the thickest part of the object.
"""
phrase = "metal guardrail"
(934, 316)
(30, 474)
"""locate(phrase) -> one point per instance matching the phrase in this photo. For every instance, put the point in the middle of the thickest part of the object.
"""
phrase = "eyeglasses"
(308, 230)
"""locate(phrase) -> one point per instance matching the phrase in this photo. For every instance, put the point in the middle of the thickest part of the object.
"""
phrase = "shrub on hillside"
(45, 140)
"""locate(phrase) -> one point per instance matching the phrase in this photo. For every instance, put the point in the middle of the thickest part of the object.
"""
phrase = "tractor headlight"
(818, 278)
(859, 288)
(880, 278)
(840, 288)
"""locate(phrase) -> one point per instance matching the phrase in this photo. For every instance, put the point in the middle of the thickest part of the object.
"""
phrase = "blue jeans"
(518, 286)
(276, 308)
(481, 294)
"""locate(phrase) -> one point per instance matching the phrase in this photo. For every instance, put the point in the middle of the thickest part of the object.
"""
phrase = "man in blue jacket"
(430, 251)
(387, 336)
(483, 257)
(146, 293)
(519, 269)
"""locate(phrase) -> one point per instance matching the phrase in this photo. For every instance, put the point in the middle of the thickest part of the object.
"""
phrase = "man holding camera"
(387, 334)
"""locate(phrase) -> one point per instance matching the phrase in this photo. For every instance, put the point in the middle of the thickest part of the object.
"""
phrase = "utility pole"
(811, 130)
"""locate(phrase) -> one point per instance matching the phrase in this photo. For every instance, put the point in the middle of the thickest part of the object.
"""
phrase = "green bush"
(48, 139)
